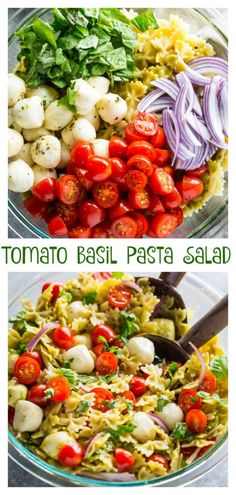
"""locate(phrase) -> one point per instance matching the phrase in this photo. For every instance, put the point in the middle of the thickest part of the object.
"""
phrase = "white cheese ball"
(112, 108)
(53, 443)
(80, 359)
(28, 416)
(28, 113)
(143, 349)
(46, 151)
(57, 116)
(41, 173)
(45, 92)
(16, 89)
(145, 427)
(100, 83)
(86, 97)
(65, 155)
(31, 135)
(101, 147)
(16, 391)
(74, 310)
(25, 154)
(15, 142)
(93, 117)
(12, 358)
(79, 130)
(171, 414)
(85, 339)
(11, 122)
(20, 176)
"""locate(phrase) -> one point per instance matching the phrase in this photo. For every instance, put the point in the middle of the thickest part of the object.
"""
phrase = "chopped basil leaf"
(146, 20)
(207, 396)
(111, 404)
(67, 295)
(128, 325)
(219, 367)
(83, 407)
(71, 375)
(181, 432)
(161, 403)
(121, 430)
(172, 368)
(90, 297)
(19, 321)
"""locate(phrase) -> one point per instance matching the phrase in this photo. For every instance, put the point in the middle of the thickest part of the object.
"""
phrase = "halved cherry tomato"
(189, 188)
(37, 395)
(198, 172)
(69, 189)
(142, 223)
(101, 231)
(11, 414)
(80, 233)
(120, 208)
(138, 386)
(102, 331)
(98, 168)
(140, 200)
(57, 227)
(26, 370)
(106, 363)
(35, 207)
(60, 388)
(161, 459)
(178, 213)
(188, 399)
(159, 139)
(156, 205)
(163, 224)
(98, 349)
(62, 337)
(122, 184)
(196, 420)
(102, 395)
(142, 163)
(172, 200)
(105, 193)
(162, 156)
(169, 170)
(70, 454)
(146, 124)
(124, 459)
(90, 214)
(209, 383)
(56, 289)
(128, 395)
(141, 148)
(118, 168)
(80, 154)
(135, 180)
(124, 227)
(45, 190)
(68, 213)
(35, 355)
(188, 451)
(161, 183)
(119, 296)
(132, 135)
(117, 147)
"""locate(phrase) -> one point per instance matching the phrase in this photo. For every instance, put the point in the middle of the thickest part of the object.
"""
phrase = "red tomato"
(70, 454)
(106, 363)
(168, 169)
(69, 189)
(128, 395)
(156, 205)
(159, 140)
(57, 227)
(146, 124)
(117, 342)
(161, 183)
(102, 331)
(98, 349)
(35, 355)
(62, 337)
(68, 213)
(142, 223)
(135, 180)
(209, 383)
(98, 168)
(132, 135)
(139, 200)
(188, 399)
(45, 190)
(120, 208)
(56, 289)
(35, 207)
(198, 172)
(161, 459)
(124, 227)
(162, 156)
(141, 148)
(142, 163)
(118, 168)
(124, 459)
(163, 224)
(105, 193)
(122, 184)
(101, 396)
(60, 388)
(101, 231)
(188, 451)
(80, 153)
(90, 214)
(26, 370)
(119, 296)
(189, 188)
(196, 420)
(117, 147)
(80, 233)
(178, 213)
(11, 414)
(36, 394)
(172, 200)
(138, 386)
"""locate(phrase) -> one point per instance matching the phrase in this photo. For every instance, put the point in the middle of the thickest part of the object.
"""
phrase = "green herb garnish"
(128, 325)
(90, 297)
(206, 396)
(19, 321)
(219, 367)
(121, 430)
(181, 432)
(146, 20)
(83, 407)
(161, 403)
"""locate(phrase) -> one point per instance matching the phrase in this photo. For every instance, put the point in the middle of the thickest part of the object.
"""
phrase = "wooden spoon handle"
(207, 327)
(173, 278)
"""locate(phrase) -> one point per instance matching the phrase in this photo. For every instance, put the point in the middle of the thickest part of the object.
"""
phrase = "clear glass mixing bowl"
(211, 220)
(198, 296)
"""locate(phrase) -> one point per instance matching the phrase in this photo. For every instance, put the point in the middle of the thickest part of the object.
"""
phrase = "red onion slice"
(212, 114)
(131, 285)
(90, 443)
(223, 107)
(202, 362)
(209, 65)
(166, 86)
(159, 422)
(149, 99)
(36, 338)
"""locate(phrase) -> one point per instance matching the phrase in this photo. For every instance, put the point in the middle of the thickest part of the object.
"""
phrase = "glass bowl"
(198, 296)
(211, 220)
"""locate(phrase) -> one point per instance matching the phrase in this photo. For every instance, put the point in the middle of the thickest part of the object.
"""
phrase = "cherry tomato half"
(118, 168)
(117, 147)
(156, 205)
(70, 454)
(128, 395)
(159, 139)
(98, 349)
(172, 200)
(135, 180)
(132, 135)
(161, 183)
(68, 213)
(106, 363)
(142, 223)
(62, 337)
(26, 370)
(101, 397)
(188, 399)
(124, 227)
(138, 386)
(161, 459)
(60, 388)
(142, 163)
(56, 289)
(80, 233)
(80, 154)
(141, 148)
(139, 200)
(178, 213)
(119, 296)
(69, 189)
(37, 395)
(98, 168)
(105, 194)
(102, 331)
(120, 208)
(162, 156)
(198, 172)
(209, 383)
(35, 355)
(101, 231)
(124, 459)
(196, 420)
(90, 214)
(163, 224)
(57, 227)
(189, 188)
(45, 190)
(35, 206)
(146, 124)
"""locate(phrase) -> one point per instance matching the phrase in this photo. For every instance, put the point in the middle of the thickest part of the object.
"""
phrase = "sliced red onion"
(209, 65)
(159, 421)
(36, 338)
(90, 444)
(195, 77)
(181, 79)
(168, 119)
(85, 390)
(223, 107)
(101, 276)
(167, 86)
(187, 137)
(131, 285)
(162, 103)
(149, 99)
(199, 126)
(202, 362)
(212, 114)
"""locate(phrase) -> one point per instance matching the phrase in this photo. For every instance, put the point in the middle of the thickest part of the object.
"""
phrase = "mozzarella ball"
(112, 108)
(100, 83)
(145, 427)
(33, 134)
(45, 92)
(28, 113)
(46, 151)
(86, 97)
(15, 142)
(171, 414)
(12, 358)
(143, 349)
(74, 310)
(79, 130)
(11, 121)
(53, 443)
(93, 118)
(20, 176)
(85, 339)
(41, 173)
(25, 155)
(28, 416)
(57, 116)
(16, 89)
(101, 147)
(16, 391)
(65, 156)
(80, 359)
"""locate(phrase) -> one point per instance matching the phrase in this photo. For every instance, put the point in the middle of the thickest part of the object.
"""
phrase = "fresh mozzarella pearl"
(100, 83)
(93, 118)
(46, 151)
(16, 89)
(57, 116)
(15, 142)
(112, 108)
(85, 339)
(65, 155)
(12, 358)
(101, 147)
(28, 416)
(79, 130)
(45, 92)
(11, 122)
(145, 427)
(80, 359)
(74, 310)
(53, 443)
(20, 176)
(41, 173)
(16, 391)
(142, 348)
(28, 113)
(33, 134)
(25, 155)
(171, 414)
(86, 97)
